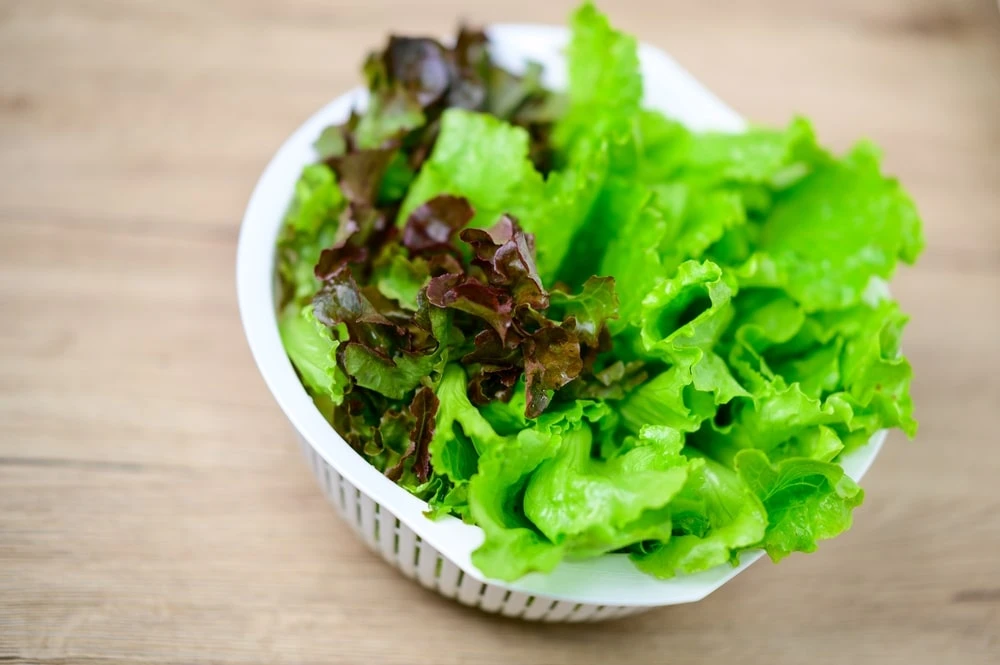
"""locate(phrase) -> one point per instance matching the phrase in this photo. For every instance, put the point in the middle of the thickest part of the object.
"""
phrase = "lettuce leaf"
(806, 500)
(758, 156)
(839, 228)
(595, 506)
(623, 235)
(592, 308)
(568, 201)
(513, 545)
(605, 86)
(715, 515)
(482, 159)
(310, 226)
(603, 63)
(312, 348)
(393, 377)
(461, 432)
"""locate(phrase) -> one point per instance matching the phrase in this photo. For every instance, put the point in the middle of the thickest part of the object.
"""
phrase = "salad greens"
(586, 329)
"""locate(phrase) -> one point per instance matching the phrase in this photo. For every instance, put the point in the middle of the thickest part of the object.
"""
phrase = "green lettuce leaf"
(806, 500)
(697, 220)
(394, 377)
(513, 546)
(662, 149)
(592, 308)
(398, 277)
(483, 159)
(687, 312)
(715, 516)
(603, 63)
(596, 506)
(777, 413)
(682, 320)
(461, 433)
(312, 348)
(836, 230)
(570, 195)
(317, 198)
(874, 371)
(386, 116)
(605, 86)
(624, 232)
(396, 181)
(763, 156)
(683, 397)
(310, 226)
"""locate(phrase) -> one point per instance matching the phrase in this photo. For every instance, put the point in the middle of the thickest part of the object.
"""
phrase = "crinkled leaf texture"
(596, 331)
(806, 500)
(716, 516)
(312, 348)
(482, 159)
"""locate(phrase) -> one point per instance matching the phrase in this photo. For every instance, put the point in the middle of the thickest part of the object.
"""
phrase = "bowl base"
(401, 547)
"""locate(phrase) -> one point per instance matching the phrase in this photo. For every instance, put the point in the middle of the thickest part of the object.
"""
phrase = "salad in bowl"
(541, 305)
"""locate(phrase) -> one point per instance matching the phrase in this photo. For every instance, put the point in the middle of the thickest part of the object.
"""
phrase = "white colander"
(389, 519)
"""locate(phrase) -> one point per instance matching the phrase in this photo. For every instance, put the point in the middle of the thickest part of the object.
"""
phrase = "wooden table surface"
(153, 507)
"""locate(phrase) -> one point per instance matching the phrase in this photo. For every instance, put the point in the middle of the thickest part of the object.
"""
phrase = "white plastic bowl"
(389, 519)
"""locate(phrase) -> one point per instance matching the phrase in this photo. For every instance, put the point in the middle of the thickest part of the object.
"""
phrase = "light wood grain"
(153, 508)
